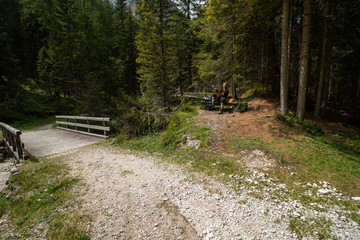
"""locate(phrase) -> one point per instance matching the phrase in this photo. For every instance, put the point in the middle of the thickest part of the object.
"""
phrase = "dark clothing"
(225, 92)
(220, 99)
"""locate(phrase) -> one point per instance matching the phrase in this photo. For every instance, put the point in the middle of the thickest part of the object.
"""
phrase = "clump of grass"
(178, 121)
(310, 127)
(354, 216)
(319, 228)
(70, 229)
(3, 204)
(247, 142)
(35, 195)
(168, 141)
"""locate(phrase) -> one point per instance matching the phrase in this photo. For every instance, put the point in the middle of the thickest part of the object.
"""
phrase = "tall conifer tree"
(153, 44)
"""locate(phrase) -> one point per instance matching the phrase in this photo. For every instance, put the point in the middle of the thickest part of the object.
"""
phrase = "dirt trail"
(129, 196)
(252, 122)
(134, 197)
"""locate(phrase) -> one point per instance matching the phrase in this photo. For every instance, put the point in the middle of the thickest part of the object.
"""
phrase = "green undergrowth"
(31, 123)
(36, 196)
(181, 127)
(292, 120)
(173, 145)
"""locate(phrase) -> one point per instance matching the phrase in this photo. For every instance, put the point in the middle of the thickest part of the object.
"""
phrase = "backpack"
(206, 102)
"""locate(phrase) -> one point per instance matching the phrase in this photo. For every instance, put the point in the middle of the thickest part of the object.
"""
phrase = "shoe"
(221, 111)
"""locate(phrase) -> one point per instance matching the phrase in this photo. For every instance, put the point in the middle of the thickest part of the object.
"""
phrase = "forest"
(135, 60)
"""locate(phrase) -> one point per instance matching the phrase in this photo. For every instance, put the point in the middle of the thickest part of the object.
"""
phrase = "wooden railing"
(11, 138)
(82, 125)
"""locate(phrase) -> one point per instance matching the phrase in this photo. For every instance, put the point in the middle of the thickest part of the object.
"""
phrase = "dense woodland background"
(133, 60)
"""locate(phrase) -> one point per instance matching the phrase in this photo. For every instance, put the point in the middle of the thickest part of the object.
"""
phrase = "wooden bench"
(236, 105)
(75, 125)
(12, 140)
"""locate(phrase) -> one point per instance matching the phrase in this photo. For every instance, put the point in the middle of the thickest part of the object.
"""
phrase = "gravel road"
(132, 196)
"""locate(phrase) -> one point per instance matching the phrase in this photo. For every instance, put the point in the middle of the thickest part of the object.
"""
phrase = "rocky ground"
(129, 196)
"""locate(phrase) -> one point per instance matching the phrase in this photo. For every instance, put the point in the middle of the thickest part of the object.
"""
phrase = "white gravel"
(140, 197)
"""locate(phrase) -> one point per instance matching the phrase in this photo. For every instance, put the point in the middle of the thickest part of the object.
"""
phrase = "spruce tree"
(153, 44)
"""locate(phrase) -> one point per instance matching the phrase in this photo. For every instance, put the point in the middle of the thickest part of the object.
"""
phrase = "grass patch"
(354, 216)
(36, 195)
(319, 228)
(331, 158)
(292, 120)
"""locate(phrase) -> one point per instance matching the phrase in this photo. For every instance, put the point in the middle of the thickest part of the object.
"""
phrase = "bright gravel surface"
(132, 196)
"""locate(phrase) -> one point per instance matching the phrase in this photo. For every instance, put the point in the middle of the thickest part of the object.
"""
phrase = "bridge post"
(12, 140)
(18, 145)
(104, 126)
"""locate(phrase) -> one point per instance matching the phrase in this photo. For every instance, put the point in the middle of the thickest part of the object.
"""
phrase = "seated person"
(220, 96)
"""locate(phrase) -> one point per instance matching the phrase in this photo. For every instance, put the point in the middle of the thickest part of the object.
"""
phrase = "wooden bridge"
(71, 132)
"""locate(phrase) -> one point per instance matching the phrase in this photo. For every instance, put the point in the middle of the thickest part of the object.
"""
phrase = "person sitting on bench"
(222, 95)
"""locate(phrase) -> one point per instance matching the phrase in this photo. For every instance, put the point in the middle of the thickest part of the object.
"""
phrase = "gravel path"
(140, 197)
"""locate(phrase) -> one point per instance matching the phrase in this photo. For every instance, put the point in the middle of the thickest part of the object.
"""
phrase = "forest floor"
(237, 187)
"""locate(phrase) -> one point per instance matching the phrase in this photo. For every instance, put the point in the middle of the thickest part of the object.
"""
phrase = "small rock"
(292, 174)
(296, 214)
(323, 191)
(343, 218)
(14, 170)
(356, 199)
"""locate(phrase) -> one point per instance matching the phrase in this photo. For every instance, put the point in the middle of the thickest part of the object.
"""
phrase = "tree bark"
(358, 92)
(273, 70)
(163, 77)
(320, 84)
(304, 59)
(284, 74)
(326, 89)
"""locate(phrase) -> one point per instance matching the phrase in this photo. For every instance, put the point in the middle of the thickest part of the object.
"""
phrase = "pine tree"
(126, 52)
(153, 43)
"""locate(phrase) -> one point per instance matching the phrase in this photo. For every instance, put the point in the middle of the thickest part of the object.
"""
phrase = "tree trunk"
(326, 89)
(320, 84)
(163, 77)
(272, 68)
(304, 59)
(71, 55)
(267, 65)
(284, 74)
(358, 92)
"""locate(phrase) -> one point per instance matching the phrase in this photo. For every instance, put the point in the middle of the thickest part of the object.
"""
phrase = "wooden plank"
(16, 155)
(102, 128)
(85, 118)
(19, 146)
(10, 128)
(235, 103)
(86, 133)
